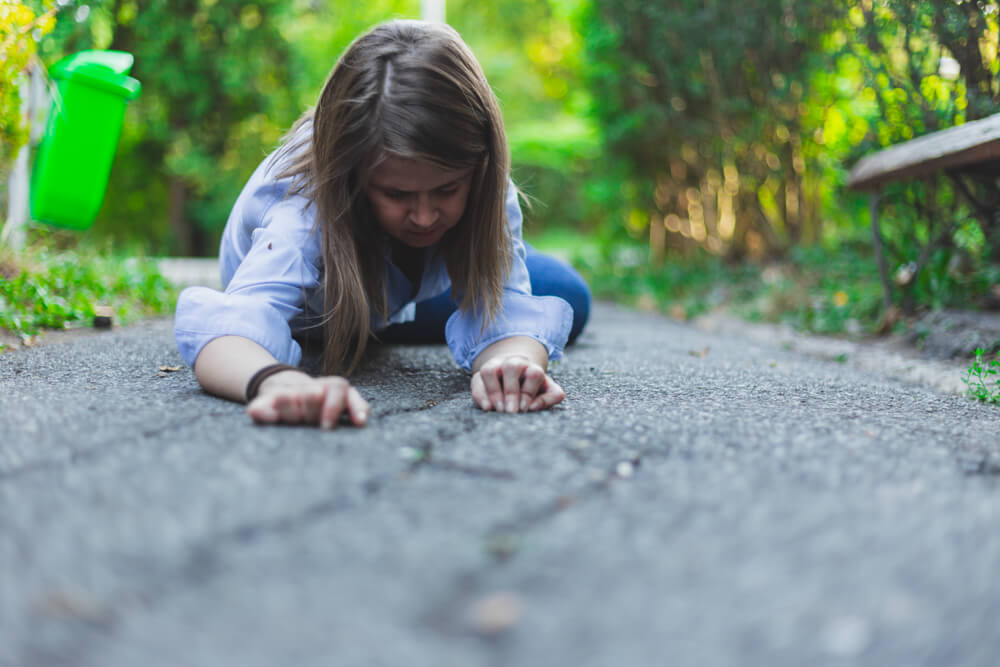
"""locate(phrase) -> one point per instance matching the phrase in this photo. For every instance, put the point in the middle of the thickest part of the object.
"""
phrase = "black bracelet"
(253, 386)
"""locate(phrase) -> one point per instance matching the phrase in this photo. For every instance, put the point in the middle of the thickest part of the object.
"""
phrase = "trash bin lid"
(107, 70)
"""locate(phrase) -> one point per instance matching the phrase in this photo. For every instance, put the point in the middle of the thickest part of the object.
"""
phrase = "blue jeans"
(549, 277)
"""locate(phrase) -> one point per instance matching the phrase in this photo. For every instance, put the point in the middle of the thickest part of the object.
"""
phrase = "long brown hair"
(406, 89)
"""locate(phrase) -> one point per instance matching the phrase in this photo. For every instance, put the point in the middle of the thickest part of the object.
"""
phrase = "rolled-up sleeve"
(547, 319)
(269, 288)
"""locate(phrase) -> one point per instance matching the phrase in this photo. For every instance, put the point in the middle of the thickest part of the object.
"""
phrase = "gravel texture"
(701, 498)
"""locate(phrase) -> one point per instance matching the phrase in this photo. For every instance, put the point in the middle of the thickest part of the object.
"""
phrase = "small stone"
(410, 454)
(847, 636)
(495, 613)
(103, 317)
(502, 545)
(624, 469)
(562, 502)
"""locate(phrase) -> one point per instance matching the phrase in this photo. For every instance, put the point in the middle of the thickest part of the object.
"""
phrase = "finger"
(479, 394)
(491, 381)
(311, 404)
(289, 408)
(552, 395)
(512, 370)
(334, 404)
(534, 378)
(358, 407)
(262, 410)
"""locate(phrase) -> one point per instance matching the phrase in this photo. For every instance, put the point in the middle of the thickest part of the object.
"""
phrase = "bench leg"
(883, 271)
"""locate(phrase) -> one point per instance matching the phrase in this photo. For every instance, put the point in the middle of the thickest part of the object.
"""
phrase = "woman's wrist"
(262, 374)
(523, 346)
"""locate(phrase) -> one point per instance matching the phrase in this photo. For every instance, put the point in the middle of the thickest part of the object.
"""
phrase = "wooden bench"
(969, 155)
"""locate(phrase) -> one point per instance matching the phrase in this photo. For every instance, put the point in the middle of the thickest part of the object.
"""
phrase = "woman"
(392, 190)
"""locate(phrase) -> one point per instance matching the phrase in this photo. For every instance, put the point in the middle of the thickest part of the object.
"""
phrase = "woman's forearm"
(226, 364)
(292, 396)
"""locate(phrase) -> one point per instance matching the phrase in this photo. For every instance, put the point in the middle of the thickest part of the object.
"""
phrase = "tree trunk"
(179, 222)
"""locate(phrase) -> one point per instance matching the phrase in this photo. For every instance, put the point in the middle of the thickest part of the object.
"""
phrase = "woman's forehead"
(411, 175)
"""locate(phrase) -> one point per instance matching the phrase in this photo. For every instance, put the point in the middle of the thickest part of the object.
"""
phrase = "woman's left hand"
(514, 383)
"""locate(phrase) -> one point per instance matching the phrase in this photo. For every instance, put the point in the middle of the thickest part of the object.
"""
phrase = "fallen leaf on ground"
(74, 604)
(562, 502)
(170, 369)
(701, 354)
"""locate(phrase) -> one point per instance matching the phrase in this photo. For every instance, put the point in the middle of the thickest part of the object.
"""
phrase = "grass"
(44, 288)
(983, 379)
(814, 289)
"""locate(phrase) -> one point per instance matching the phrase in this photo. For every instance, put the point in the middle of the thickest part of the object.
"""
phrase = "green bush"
(19, 26)
(46, 289)
(983, 379)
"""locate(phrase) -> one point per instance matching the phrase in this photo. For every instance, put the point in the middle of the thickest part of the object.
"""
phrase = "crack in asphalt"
(149, 433)
(471, 469)
(453, 615)
(393, 412)
(202, 561)
(985, 465)
(422, 456)
(91, 454)
(503, 539)
(72, 458)
(196, 566)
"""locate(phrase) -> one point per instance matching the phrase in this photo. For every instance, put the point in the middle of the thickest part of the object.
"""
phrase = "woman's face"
(416, 202)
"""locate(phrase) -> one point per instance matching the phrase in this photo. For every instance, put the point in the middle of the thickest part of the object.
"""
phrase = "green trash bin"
(71, 169)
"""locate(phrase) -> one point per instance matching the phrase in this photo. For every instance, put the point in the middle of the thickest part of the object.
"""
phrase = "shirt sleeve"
(270, 286)
(547, 319)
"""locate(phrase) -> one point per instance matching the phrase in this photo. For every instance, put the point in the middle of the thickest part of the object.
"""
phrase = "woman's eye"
(450, 190)
(396, 194)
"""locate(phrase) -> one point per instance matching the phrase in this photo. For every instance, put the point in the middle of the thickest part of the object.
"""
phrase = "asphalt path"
(698, 499)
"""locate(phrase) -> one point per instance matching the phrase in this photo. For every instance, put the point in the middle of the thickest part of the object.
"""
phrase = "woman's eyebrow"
(391, 188)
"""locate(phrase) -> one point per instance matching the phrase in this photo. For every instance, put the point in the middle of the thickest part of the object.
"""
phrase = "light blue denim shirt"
(271, 266)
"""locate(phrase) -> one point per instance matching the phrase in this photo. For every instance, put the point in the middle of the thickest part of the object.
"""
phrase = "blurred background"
(686, 155)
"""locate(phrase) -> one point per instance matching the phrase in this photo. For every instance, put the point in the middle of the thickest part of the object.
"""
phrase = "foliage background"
(21, 27)
(651, 136)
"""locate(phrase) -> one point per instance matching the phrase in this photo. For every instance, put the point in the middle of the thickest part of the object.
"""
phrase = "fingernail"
(498, 405)
(524, 403)
(326, 424)
(511, 404)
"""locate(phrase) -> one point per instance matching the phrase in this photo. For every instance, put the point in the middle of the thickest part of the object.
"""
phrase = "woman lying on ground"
(387, 212)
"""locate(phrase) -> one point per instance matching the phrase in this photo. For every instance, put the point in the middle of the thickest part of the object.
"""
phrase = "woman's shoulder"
(268, 201)
(275, 181)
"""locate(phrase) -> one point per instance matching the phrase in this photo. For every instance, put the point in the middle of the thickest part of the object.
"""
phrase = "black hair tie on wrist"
(253, 386)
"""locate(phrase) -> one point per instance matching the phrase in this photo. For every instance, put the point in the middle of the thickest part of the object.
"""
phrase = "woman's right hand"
(293, 397)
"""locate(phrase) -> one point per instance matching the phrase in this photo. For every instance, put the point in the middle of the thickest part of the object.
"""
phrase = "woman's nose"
(424, 211)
